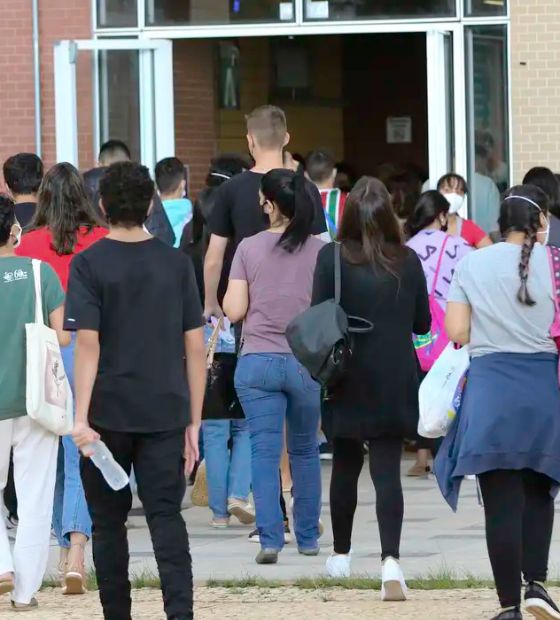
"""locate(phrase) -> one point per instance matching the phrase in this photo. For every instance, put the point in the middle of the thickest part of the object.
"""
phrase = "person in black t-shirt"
(237, 212)
(23, 174)
(134, 303)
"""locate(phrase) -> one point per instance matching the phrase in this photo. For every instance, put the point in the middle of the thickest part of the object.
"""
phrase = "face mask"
(17, 238)
(545, 232)
(455, 201)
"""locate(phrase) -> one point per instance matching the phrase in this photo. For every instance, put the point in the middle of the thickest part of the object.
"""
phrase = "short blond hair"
(267, 124)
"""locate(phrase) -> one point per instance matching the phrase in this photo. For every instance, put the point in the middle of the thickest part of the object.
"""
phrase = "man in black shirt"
(135, 306)
(237, 212)
(23, 174)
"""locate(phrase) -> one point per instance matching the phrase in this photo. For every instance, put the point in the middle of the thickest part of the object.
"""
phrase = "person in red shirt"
(321, 169)
(65, 224)
(455, 188)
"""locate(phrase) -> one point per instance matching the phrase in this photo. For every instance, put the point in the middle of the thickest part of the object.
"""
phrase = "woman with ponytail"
(270, 283)
(501, 305)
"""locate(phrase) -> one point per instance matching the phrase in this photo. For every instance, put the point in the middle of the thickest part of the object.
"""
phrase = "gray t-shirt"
(280, 285)
(488, 280)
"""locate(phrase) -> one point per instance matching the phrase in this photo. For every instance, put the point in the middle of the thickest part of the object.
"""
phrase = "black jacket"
(157, 223)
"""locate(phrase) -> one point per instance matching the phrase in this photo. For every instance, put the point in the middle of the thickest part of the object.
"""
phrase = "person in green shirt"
(34, 448)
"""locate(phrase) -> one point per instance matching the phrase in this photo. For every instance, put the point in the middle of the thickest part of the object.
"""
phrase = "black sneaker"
(512, 614)
(539, 604)
(326, 451)
(254, 535)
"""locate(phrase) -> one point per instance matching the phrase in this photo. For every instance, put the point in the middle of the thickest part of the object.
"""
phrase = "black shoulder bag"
(321, 337)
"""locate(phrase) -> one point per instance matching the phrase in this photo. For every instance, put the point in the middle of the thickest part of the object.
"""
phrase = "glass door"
(441, 147)
(133, 83)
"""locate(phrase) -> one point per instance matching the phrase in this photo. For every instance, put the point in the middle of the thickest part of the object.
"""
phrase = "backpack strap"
(337, 273)
(439, 264)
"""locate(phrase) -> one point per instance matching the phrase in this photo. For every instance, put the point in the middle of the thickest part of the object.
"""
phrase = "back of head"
(225, 166)
(546, 180)
(170, 174)
(126, 190)
(320, 167)
(404, 192)
(523, 209)
(289, 192)
(267, 128)
(430, 206)
(63, 207)
(23, 173)
(7, 218)
(369, 227)
(113, 151)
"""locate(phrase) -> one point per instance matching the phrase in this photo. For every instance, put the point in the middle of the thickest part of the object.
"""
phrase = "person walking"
(23, 174)
(377, 401)
(34, 448)
(64, 225)
(133, 389)
(270, 284)
(501, 306)
(439, 253)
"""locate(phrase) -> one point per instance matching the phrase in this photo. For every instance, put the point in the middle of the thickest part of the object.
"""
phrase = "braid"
(526, 251)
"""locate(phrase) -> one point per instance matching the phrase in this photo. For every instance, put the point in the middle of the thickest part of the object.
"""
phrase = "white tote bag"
(48, 394)
(441, 392)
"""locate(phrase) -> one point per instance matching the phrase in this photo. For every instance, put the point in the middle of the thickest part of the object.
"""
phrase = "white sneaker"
(394, 587)
(339, 566)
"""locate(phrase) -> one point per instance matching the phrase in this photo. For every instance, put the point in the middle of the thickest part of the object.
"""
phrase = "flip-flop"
(73, 583)
(31, 606)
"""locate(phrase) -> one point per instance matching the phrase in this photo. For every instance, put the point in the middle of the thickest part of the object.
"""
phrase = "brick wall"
(535, 87)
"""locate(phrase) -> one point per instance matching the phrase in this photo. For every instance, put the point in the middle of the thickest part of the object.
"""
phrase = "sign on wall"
(230, 91)
(399, 130)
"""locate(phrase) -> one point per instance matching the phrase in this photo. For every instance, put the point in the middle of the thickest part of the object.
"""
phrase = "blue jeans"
(228, 473)
(275, 390)
(70, 512)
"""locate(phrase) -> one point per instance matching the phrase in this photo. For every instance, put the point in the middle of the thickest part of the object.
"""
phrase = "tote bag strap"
(439, 265)
(212, 344)
(38, 296)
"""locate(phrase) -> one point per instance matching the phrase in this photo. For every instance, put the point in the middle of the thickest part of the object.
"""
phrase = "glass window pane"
(487, 122)
(207, 12)
(117, 13)
(377, 9)
(119, 98)
(480, 8)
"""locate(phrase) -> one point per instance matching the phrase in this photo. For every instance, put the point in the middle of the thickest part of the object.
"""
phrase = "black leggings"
(385, 469)
(519, 514)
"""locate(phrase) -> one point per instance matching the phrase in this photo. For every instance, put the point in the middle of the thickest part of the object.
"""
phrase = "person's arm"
(213, 264)
(195, 351)
(56, 322)
(422, 314)
(484, 242)
(236, 300)
(475, 236)
(458, 314)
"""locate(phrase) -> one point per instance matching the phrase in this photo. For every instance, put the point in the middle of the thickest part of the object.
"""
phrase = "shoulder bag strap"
(38, 296)
(439, 264)
(212, 344)
(337, 273)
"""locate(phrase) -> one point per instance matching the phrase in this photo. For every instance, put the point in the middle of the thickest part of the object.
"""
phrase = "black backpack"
(321, 337)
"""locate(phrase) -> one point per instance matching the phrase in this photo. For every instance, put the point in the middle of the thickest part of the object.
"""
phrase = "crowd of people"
(134, 278)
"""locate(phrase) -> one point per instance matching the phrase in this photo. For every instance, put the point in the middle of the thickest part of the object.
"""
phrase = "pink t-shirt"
(280, 285)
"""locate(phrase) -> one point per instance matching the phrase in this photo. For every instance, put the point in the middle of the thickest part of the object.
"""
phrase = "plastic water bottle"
(102, 458)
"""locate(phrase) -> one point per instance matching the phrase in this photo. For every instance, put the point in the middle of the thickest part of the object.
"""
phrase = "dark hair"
(519, 215)
(369, 230)
(320, 166)
(7, 218)
(268, 125)
(227, 165)
(126, 191)
(113, 151)
(430, 206)
(546, 180)
(23, 173)
(63, 207)
(404, 192)
(291, 194)
(169, 174)
(452, 180)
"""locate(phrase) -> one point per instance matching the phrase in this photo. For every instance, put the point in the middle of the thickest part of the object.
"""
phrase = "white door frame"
(156, 95)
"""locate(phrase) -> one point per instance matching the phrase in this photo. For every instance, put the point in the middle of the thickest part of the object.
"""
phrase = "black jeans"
(157, 459)
(519, 513)
(385, 469)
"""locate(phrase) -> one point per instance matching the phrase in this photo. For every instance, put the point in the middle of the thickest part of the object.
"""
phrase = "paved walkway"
(433, 539)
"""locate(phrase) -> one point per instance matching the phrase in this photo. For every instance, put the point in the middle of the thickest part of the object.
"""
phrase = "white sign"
(286, 12)
(317, 9)
(399, 130)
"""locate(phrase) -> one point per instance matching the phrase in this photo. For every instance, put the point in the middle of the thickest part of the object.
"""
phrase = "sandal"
(74, 578)
(32, 605)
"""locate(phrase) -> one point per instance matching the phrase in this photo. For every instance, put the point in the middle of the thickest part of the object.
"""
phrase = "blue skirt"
(509, 419)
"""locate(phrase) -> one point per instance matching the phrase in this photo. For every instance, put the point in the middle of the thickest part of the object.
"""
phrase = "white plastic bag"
(48, 394)
(441, 391)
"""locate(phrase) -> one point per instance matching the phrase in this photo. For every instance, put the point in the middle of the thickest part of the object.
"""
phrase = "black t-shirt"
(141, 298)
(25, 212)
(238, 214)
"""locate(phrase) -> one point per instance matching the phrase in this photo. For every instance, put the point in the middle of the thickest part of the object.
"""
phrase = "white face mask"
(17, 238)
(545, 232)
(455, 201)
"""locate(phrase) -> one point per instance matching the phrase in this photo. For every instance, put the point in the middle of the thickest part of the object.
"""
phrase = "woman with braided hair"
(501, 305)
